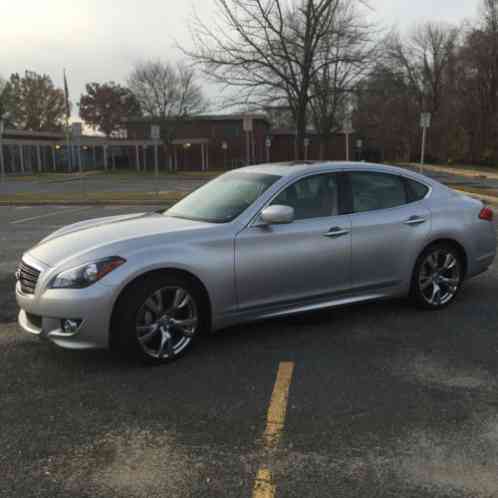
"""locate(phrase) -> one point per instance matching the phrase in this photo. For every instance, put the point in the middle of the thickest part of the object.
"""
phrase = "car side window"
(373, 191)
(312, 197)
(416, 191)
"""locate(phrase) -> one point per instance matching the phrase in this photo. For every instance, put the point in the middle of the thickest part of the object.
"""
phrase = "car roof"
(297, 168)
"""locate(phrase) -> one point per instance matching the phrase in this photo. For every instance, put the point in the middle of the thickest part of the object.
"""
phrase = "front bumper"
(41, 315)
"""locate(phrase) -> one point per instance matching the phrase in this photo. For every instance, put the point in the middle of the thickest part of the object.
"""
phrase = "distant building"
(221, 142)
(199, 143)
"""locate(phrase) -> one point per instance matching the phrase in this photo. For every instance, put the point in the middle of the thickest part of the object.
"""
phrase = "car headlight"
(86, 275)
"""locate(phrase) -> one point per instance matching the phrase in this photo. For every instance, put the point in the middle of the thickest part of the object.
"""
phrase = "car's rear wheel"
(438, 277)
(159, 318)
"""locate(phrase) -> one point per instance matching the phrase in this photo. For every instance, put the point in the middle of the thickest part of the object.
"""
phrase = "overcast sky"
(100, 40)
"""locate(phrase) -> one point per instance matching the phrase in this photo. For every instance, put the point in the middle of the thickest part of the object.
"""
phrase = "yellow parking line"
(275, 421)
(264, 487)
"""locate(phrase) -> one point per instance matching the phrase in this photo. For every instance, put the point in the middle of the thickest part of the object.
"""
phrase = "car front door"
(389, 229)
(305, 261)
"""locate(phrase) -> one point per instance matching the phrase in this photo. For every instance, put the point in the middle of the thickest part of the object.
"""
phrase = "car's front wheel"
(159, 318)
(437, 277)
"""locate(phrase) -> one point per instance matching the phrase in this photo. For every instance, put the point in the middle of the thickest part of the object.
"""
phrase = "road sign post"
(248, 128)
(268, 147)
(425, 122)
(224, 147)
(306, 146)
(348, 130)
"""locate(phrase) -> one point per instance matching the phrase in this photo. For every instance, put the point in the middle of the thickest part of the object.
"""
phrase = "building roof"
(310, 132)
(203, 117)
(49, 135)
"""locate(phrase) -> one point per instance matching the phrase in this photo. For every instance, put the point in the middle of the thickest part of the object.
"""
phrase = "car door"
(390, 226)
(304, 261)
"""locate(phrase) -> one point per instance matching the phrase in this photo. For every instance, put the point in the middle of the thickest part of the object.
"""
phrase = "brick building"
(221, 142)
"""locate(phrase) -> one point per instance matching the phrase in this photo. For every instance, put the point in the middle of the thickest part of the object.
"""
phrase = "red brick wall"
(230, 131)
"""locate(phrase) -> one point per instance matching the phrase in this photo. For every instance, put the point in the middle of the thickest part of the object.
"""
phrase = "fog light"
(70, 326)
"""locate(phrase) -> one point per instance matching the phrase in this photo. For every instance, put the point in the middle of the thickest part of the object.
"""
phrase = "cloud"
(100, 40)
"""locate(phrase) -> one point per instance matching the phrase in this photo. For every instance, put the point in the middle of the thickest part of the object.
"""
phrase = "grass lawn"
(118, 174)
(471, 171)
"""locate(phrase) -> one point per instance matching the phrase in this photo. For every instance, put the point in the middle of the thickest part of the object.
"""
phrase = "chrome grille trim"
(27, 277)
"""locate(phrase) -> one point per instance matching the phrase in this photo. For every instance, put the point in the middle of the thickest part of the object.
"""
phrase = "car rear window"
(416, 191)
(373, 191)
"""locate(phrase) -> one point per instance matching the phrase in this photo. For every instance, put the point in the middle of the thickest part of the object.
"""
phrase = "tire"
(158, 318)
(440, 267)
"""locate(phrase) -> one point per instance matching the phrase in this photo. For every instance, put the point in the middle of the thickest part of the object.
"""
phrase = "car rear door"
(390, 226)
(302, 262)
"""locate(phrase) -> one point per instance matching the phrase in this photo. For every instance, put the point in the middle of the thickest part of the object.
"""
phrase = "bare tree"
(424, 58)
(269, 50)
(351, 48)
(167, 92)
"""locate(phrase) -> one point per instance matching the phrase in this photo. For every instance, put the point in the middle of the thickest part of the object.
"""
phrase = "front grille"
(28, 277)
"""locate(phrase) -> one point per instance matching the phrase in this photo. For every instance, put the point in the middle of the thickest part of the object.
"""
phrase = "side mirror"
(277, 215)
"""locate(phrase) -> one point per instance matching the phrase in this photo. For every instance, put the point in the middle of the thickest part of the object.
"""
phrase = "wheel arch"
(148, 274)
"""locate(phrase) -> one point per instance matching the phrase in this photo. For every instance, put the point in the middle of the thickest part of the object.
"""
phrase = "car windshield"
(224, 198)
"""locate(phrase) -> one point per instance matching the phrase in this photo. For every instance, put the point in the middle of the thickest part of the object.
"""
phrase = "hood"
(92, 234)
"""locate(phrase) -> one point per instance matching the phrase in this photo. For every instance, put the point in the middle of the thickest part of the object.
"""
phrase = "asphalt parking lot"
(384, 401)
(100, 183)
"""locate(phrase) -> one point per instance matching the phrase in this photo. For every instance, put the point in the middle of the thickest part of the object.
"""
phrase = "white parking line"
(59, 211)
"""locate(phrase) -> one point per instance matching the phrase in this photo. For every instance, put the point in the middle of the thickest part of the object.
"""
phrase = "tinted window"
(372, 191)
(223, 199)
(416, 191)
(313, 197)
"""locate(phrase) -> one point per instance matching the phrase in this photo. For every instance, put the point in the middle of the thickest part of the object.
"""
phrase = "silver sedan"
(255, 243)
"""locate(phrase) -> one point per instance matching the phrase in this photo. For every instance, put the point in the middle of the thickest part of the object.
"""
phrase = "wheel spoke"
(147, 332)
(159, 299)
(153, 306)
(450, 281)
(425, 283)
(433, 260)
(436, 295)
(184, 325)
(180, 300)
(165, 344)
(449, 262)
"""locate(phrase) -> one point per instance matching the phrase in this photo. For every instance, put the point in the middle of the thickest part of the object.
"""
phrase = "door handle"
(415, 220)
(336, 232)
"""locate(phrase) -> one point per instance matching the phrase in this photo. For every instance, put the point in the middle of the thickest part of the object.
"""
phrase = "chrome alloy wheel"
(166, 322)
(439, 277)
